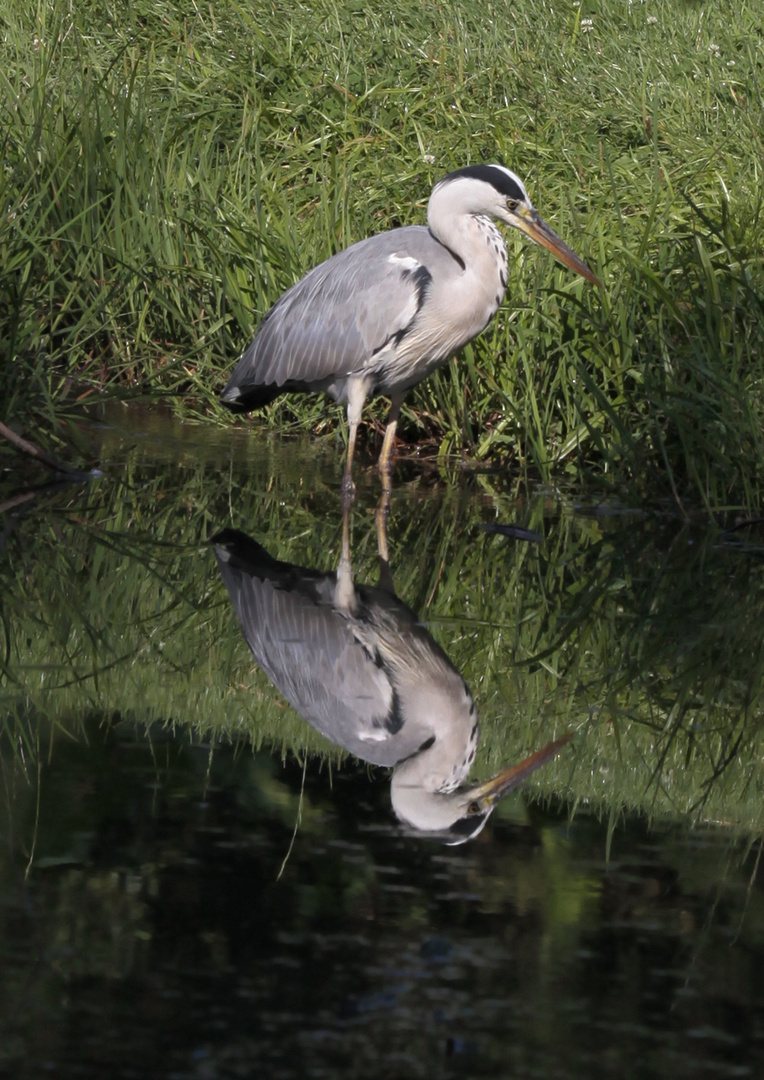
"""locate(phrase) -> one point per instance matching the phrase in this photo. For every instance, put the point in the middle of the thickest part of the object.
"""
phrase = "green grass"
(168, 171)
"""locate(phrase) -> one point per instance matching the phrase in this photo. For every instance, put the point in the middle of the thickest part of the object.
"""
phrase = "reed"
(167, 174)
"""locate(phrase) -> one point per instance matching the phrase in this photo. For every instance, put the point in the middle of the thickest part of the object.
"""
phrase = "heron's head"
(454, 817)
(495, 191)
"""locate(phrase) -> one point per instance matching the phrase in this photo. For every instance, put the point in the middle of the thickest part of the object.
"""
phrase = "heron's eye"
(473, 808)
(511, 204)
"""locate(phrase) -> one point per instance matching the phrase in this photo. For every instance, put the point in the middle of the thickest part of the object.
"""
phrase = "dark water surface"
(194, 883)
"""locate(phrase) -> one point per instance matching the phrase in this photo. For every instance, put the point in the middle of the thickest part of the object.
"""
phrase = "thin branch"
(33, 451)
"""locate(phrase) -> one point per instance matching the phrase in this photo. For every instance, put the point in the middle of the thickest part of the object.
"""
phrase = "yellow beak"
(529, 222)
(488, 794)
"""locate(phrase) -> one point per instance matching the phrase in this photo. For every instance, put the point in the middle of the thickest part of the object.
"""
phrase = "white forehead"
(499, 177)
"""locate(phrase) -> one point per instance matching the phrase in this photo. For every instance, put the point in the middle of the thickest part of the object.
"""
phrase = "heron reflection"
(356, 663)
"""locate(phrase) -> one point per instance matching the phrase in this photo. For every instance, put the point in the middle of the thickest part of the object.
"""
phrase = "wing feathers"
(331, 323)
(310, 651)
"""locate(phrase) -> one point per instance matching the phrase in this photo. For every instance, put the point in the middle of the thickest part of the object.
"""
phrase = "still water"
(194, 882)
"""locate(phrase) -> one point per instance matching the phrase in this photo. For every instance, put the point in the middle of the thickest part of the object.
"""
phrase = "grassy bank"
(168, 171)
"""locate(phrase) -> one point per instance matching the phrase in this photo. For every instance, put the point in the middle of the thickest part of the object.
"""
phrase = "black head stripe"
(465, 828)
(489, 174)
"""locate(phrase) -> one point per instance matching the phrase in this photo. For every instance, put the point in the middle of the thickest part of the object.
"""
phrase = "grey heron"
(355, 662)
(381, 315)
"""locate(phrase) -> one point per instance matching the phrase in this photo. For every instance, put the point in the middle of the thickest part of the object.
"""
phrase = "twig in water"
(31, 450)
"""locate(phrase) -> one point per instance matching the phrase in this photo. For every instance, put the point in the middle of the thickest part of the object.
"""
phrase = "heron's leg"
(387, 445)
(357, 391)
(348, 487)
(380, 519)
(344, 590)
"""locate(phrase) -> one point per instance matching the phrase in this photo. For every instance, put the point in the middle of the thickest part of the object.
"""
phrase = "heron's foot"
(388, 445)
(347, 491)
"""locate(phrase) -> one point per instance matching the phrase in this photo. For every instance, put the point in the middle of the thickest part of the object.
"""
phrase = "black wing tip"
(225, 537)
(238, 553)
(244, 399)
(241, 399)
(241, 551)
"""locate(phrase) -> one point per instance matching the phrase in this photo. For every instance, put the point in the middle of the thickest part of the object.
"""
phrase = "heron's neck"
(444, 765)
(472, 239)
(425, 785)
(423, 789)
(478, 245)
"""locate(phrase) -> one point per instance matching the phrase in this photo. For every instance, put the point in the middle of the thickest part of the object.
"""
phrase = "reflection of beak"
(488, 794)
(530, 223)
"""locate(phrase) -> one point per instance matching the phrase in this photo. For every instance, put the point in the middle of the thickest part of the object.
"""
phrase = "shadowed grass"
(167, 174)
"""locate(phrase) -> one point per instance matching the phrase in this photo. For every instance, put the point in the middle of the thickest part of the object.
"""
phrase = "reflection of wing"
(356, 664)
(322, 659)
(338, 317)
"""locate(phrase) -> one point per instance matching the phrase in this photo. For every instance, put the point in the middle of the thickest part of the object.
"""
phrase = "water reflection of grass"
(643, 634)
(166, 178)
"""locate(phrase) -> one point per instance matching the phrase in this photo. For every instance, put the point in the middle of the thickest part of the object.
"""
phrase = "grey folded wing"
(315, 655)
(332, 322)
